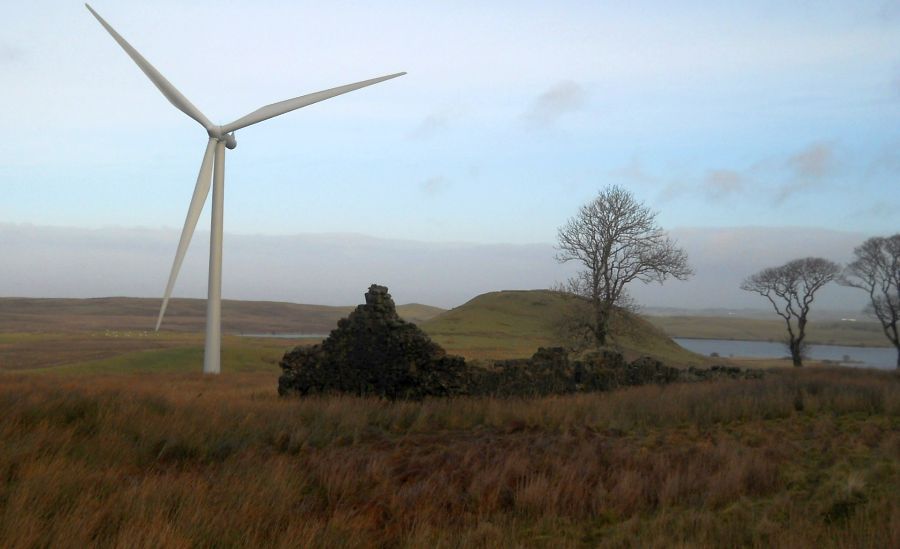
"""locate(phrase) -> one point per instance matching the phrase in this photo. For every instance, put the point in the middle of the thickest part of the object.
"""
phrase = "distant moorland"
(18, 314)
(40, 333)
(861, 333)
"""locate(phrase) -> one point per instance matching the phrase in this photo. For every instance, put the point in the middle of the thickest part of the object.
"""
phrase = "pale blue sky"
(511, 116)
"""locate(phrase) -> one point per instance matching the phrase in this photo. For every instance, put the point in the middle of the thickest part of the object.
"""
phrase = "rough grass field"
(111, 438)
(798, 459)
(830, 332)
(19, 314)
(129, 352)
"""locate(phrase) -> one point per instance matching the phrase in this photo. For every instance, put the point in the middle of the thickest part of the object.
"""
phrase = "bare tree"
(617, 241)
(876, 270)
(791, 289)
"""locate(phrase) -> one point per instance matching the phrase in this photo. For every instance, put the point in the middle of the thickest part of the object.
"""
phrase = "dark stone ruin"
(373, 352)
(553, 371)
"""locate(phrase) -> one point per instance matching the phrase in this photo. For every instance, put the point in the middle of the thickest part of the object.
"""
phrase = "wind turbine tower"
(212, 169)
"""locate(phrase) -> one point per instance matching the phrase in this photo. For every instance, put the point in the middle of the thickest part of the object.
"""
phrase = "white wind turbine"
(220, 137)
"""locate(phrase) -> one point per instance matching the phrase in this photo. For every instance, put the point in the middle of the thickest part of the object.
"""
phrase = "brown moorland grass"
(797, 459)
(129, 351)
(53, 315)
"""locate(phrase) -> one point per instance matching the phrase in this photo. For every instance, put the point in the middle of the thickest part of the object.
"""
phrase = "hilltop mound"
(514, 323)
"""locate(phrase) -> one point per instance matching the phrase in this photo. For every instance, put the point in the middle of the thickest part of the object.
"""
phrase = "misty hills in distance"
(333, 269)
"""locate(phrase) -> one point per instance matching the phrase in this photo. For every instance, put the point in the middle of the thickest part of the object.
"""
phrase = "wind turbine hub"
(230, 141)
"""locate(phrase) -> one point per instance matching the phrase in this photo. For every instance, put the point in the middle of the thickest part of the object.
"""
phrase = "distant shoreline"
(810, 341)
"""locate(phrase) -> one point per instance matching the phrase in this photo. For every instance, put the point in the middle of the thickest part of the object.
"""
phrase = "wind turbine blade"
(275, 109)
(173, 95)
(201, 191)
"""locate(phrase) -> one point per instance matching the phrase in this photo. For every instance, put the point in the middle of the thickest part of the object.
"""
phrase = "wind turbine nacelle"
(230, 141)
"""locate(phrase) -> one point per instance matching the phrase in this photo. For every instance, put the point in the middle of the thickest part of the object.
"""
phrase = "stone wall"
(553, 371)
(374, 352)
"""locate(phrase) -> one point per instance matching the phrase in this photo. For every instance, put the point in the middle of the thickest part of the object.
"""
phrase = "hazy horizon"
(335, 269)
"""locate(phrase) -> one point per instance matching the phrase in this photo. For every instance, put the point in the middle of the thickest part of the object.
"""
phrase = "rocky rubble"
(373, 352)
(554, 371)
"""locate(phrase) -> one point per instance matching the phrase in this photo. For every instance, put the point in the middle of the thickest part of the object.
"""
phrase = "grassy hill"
(512, 324)
(182, 315)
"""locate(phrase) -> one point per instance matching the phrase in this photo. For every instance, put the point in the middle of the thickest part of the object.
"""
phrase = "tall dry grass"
(798, 459)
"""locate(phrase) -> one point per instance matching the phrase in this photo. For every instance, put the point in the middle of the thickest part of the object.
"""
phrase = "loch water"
(864, 357)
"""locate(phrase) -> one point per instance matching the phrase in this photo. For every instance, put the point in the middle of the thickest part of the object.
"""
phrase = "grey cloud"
(786, 190)
(564, 97)
(807, 169)
(9, 54)
(715, 185)
(432, 125)
(814, 162)
(719, 184)
(674, 190)
(634, 172)
(434, 185)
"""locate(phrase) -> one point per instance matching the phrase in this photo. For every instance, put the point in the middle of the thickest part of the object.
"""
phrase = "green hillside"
(512, 324)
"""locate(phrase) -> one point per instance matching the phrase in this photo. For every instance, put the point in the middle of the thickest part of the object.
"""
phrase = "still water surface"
(866, 357)
(287, 336)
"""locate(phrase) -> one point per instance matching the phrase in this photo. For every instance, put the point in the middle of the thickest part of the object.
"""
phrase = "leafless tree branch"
(791, 289)
(876, 270)
(617, 241)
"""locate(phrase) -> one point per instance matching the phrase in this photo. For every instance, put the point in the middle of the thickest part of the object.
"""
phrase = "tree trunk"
(898, 357)
(600, 327)
(796, 358)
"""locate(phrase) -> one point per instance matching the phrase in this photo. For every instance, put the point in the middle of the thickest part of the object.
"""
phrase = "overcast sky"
(766, 114)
